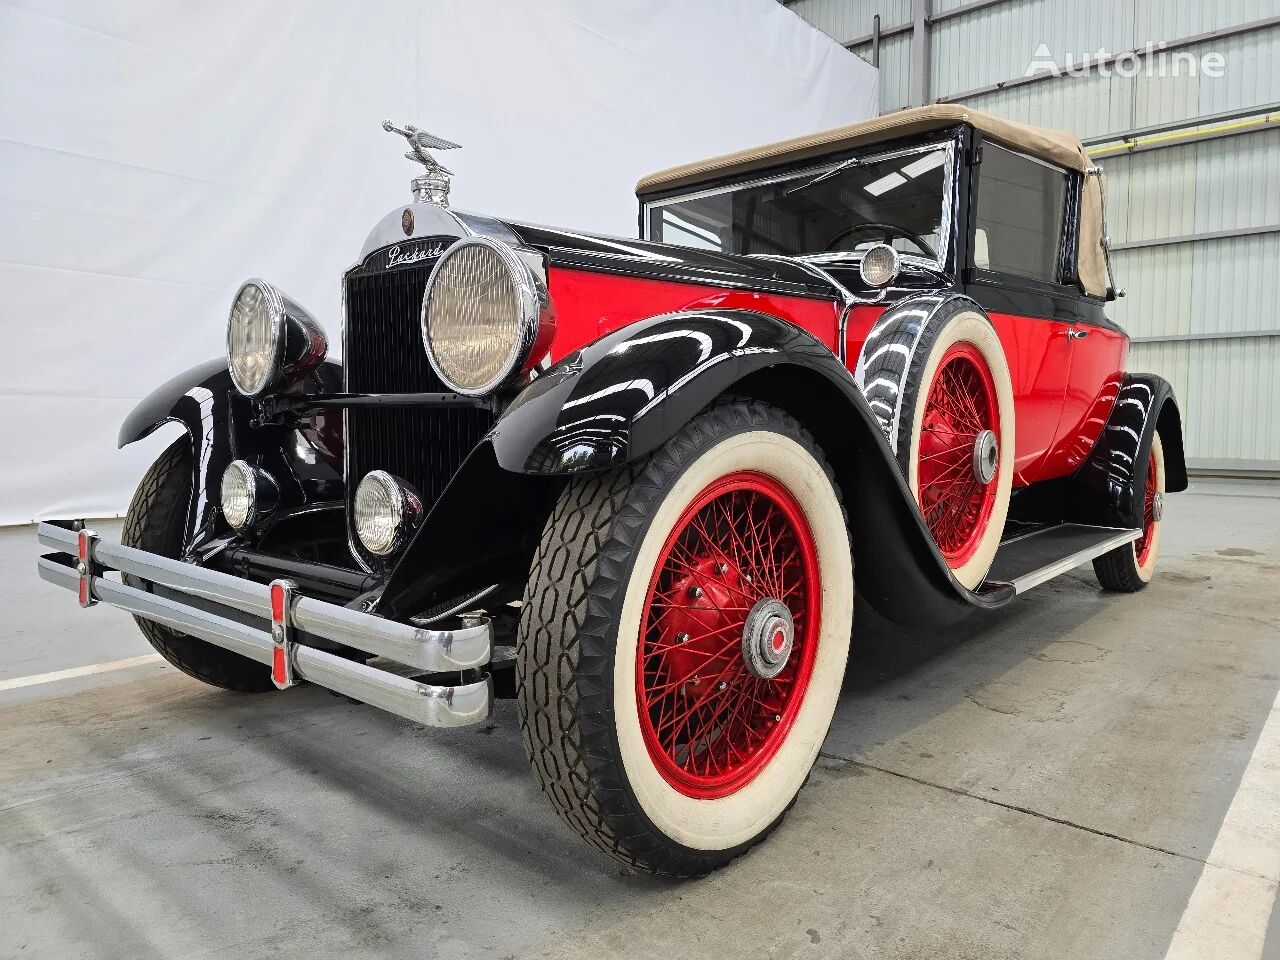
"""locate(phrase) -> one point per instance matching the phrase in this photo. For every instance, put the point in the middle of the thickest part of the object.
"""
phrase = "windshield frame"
(946, 223)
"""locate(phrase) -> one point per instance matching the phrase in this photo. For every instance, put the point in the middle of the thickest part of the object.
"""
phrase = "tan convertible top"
(1055, 146)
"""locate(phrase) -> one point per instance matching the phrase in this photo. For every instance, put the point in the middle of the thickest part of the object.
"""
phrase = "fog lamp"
(386, 511)
(248, 494)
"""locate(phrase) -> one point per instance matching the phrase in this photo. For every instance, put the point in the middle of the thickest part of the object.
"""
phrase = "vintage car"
(635, 484)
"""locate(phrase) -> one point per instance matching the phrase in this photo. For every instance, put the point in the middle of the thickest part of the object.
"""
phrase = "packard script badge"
(406, 222)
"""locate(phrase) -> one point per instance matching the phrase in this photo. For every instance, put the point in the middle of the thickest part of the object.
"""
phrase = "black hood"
(663, 261)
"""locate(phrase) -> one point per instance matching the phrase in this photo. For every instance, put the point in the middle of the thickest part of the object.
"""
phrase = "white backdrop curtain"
(154, 154)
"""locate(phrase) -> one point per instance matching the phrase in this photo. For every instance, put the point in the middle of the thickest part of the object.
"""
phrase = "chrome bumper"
(428, 651)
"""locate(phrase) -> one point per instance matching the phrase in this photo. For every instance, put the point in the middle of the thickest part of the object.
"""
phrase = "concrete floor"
(1047, 781)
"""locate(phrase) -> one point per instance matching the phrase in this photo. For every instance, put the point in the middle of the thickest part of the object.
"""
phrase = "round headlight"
(248, 494)
(879, 265)
(255, 337)
(480, 315)
(386, 510)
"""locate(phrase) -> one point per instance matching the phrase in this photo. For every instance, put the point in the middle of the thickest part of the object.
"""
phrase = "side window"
(1021, 204)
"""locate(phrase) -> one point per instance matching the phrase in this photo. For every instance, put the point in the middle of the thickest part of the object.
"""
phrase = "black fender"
(889, 354)
(1113, 477)
(1109, 487)
(306, 461)
(621, 397)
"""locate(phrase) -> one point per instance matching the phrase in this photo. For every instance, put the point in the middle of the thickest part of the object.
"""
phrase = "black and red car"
(635, 484)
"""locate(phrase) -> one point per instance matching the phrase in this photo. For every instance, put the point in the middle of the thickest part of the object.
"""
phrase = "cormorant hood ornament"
(433, 185)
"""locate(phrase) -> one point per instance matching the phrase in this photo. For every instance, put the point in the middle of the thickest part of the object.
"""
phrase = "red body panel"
(1039, 355)
(1063, 388)
(1098, 360)
(588, 305)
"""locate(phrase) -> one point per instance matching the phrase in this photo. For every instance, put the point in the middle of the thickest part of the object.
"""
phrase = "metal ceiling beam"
(1197, 237)
(1184, 124)
(921, 53)
(1094, 63)
(932, 18)
(1215, 335)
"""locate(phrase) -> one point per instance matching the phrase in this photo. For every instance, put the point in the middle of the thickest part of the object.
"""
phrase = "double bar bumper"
(236, 614)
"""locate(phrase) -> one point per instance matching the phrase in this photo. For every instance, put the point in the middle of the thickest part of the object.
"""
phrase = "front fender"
(627, 393)
(889, 352)
(623, 396)
(307, 461)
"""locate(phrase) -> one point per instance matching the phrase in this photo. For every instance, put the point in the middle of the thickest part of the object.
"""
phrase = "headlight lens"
(248, 494)
(255, 337)
(879, 265)
(480, 314)
(270, 339)
(386, 510)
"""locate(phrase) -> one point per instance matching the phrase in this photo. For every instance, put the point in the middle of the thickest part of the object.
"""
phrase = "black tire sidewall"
(156, 522)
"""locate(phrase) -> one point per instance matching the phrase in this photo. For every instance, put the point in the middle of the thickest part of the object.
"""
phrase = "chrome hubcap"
(767, 637)
(1157, 507)
(986, 456)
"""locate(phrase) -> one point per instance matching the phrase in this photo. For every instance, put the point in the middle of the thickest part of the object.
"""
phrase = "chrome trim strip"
(428, 704)
(434, 651)
(1036, 577)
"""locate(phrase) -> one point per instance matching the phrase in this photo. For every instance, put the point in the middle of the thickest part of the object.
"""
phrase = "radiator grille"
(383, 353)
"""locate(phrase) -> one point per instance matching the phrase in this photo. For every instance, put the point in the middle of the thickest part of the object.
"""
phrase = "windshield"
(892, 198)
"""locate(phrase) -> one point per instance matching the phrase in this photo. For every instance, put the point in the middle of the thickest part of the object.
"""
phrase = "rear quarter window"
(1019, 217)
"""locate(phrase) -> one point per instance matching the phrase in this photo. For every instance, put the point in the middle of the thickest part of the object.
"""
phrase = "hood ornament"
(433, 185)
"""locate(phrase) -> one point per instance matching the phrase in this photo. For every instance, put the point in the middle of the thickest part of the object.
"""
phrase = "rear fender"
(306, 461)
(1110, 486)
(1113, 477)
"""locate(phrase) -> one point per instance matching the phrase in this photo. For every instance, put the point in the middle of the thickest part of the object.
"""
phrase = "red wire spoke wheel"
(961, 407)
(726, 653)
(953, 435)
(683, 640)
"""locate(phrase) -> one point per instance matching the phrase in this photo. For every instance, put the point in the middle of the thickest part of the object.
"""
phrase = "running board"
(1030, 559)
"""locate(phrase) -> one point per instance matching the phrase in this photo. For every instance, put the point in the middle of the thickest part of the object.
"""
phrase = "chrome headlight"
(481, 315)
(879, 266)
(386, 511)
(270, 339)
(248, 494)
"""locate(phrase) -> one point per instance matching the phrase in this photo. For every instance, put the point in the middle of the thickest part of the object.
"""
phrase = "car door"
(1099, 350)
(1017, 250)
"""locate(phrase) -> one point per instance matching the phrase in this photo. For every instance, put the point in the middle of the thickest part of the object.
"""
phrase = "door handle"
(1077, 334)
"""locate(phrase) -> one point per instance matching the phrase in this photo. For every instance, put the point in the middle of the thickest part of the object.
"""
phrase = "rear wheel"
(1129, 568)
(155, 522)
(683, 641)
(956, 441)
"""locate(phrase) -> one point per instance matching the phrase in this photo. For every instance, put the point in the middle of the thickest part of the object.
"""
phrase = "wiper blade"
(840, 168)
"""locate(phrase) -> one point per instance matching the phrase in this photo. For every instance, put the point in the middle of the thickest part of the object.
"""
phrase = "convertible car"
(635, 484)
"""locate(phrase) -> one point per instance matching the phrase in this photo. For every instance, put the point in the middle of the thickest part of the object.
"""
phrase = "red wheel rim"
(1142, 546)
(961, 404)
(711, 725)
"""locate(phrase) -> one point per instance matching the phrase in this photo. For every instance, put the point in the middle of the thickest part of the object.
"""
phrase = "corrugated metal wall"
(1199, 309)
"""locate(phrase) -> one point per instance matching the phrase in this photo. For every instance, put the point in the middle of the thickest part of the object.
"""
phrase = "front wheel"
(155, 521)
(683, 641)
(955, 441)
